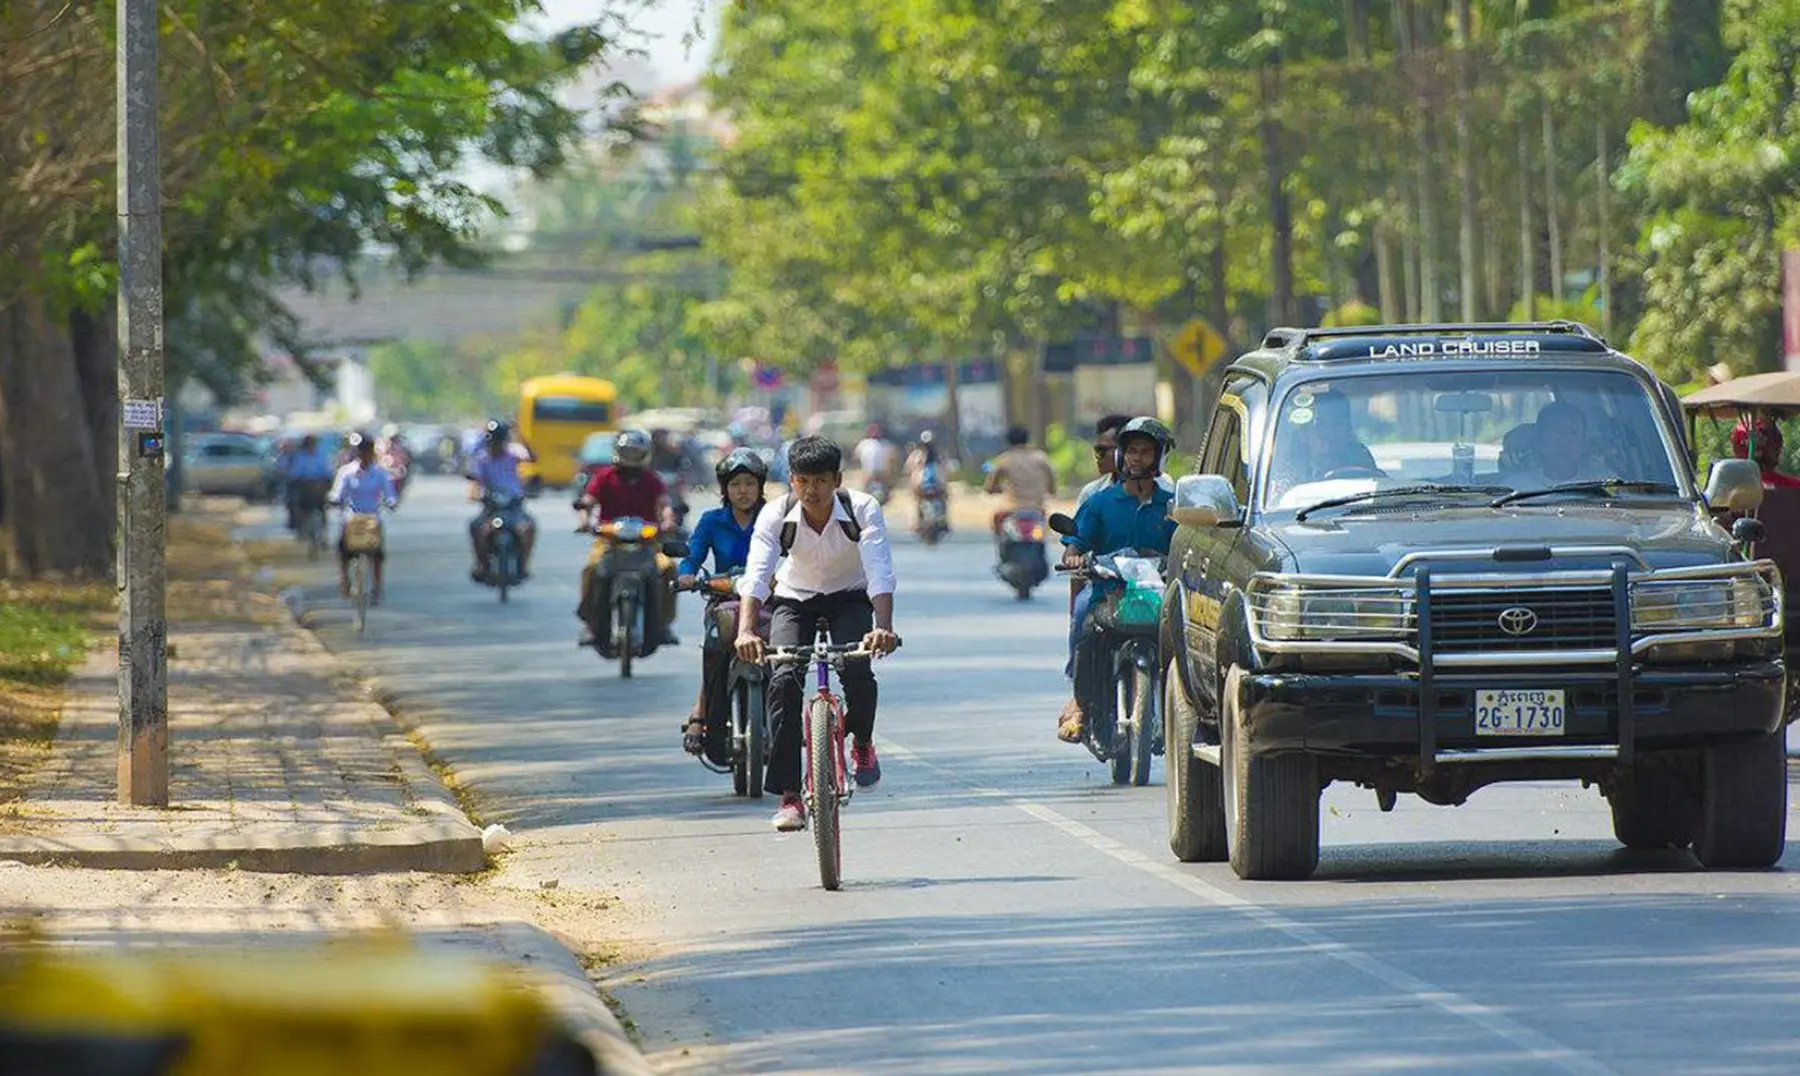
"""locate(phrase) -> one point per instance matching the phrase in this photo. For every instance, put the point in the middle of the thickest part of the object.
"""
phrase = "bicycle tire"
(360, 591)
(755, 725)
(821, 722)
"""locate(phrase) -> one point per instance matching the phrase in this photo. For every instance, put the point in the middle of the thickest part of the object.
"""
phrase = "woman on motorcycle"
(723, 533)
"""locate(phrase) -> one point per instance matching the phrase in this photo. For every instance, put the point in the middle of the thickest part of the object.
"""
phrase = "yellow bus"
(556, 414)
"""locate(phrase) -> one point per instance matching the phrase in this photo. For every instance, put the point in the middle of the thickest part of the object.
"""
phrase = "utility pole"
(143, 631)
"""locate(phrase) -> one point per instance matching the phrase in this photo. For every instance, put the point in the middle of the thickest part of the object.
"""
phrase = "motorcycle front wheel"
(625, 622)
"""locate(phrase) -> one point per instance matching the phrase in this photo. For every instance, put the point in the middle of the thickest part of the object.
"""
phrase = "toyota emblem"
(1518, 621)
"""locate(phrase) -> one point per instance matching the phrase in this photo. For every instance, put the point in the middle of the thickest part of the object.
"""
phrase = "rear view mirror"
(1204, 500)
(1735, 486)
(678, 550)
(1748, 531)
(1062, 524)
(1464, 403)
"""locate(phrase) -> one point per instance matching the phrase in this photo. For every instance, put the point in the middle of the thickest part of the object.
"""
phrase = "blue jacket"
(1112, 520)
(718, 533)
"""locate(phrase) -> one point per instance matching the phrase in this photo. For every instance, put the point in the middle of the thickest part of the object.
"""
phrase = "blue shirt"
(499, 475)
(314, 466)
(718, 533)
(362, 491)
(1112, 520)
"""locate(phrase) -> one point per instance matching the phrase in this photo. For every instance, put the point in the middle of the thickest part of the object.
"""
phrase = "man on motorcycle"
(1023, 473)
(363, 487)
(838, 567)
(494, 470)
(875, 456)
(628, 487)
(395, 457)
(1131, 514)
(724, 534)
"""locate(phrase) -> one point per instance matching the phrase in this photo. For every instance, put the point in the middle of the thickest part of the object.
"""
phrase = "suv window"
(1524, 429)
(1224, 453)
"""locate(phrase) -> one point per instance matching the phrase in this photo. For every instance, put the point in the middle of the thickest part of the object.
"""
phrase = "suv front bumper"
(1381, 715)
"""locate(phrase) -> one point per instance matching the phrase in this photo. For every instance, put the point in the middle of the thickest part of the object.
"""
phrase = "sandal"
(693, 738)
(1073, 723)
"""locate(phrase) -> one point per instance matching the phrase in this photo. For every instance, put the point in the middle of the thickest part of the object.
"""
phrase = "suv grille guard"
(1407, 635)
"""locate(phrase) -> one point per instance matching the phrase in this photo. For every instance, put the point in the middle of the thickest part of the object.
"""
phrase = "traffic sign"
(1198, 346)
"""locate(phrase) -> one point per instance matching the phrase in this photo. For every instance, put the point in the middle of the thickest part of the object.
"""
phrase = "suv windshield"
(1523, 430)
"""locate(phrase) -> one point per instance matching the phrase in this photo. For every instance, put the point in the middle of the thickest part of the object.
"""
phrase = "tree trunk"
(95, 339)
(1527, 238)
(1281, 225)
(57, 520)
(1553, 225)
(1392, 309)
(1603, 229)
(1429, 293)
(1468, 256)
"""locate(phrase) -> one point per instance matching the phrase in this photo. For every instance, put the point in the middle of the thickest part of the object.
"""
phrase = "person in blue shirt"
(362, 488)
(308, 473)
(1130, 514)
(724, 534)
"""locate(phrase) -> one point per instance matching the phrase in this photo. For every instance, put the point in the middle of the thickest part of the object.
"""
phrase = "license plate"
(1520, 713)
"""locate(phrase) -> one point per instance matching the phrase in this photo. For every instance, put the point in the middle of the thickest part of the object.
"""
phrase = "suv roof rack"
(1290, 337)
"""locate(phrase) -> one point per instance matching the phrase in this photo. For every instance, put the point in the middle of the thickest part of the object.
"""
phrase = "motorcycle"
(1021, 561)
(934, 514)
(1125, 724)
(505, 565)
(741, 706)
(631, 574)
(878, 489)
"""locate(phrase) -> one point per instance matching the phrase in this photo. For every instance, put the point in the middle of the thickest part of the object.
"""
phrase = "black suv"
(1430, 558)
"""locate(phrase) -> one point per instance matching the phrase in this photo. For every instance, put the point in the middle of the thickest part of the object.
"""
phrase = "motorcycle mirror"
(678, 550)
(1062, 524)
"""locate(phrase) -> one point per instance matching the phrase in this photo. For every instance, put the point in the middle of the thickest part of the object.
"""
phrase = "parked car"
(1531, 585)
(229, 464)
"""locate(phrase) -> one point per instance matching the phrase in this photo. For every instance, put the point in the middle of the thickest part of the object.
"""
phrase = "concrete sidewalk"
(279, 761)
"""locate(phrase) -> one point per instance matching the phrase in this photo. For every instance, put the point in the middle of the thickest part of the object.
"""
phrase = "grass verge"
(44, 633)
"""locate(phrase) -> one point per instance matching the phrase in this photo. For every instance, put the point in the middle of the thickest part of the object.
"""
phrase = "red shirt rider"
(1768, 452)
(617, 493)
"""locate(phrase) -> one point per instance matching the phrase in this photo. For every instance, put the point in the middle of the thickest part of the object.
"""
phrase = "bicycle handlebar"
(829, 652)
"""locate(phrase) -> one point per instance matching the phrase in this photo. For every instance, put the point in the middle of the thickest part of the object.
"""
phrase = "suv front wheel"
(1742, 809)
(1196, 806)
(1271, 801)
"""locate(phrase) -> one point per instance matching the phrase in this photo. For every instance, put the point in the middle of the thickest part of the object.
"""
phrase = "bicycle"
(362, 539)
(827, 772)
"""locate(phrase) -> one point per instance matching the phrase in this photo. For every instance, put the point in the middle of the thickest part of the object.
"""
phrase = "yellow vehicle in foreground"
(556, 414)
(339, 1010)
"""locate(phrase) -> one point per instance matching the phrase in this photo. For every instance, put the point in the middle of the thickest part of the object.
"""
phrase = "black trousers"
(791, 623)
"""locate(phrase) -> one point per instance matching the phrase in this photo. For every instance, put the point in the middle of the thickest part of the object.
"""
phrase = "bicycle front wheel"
(822, 727)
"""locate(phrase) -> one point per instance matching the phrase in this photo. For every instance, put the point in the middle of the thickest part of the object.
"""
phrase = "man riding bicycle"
(308, 472)
(493, 470)
(838, 568)
(363, 488)
(1131, 514)
(724, 534)
(628, 487)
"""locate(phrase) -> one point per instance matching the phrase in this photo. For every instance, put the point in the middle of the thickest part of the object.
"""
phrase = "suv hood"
(1371, 543)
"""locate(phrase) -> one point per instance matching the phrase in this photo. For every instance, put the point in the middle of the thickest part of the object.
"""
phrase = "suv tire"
(1651, 808)
(1196, 800)
(1271, 801)
(1741, 816)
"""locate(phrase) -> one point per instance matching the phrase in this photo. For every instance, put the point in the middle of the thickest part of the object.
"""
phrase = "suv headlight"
(1290, 613)
(1701, 605)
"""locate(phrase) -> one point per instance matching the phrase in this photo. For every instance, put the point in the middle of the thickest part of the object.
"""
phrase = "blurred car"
(229, 464)
(596, 452)
(434, 449)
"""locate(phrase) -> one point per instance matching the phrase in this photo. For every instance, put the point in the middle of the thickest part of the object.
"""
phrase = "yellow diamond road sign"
(1198, 346)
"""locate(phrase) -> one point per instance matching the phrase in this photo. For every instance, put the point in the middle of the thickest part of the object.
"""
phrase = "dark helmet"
(631, 449)
(740, 461)
(496, 432)
(1144, 427)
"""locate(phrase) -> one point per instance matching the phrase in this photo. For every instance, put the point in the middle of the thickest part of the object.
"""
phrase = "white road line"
(1541, 1048)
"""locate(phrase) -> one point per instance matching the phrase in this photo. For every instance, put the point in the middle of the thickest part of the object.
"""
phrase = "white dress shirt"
(820, 562)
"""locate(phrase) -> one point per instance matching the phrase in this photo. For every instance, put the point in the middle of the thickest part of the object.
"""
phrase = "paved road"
(1008, 910)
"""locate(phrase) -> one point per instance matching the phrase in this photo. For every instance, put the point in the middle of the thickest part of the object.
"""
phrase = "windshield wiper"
(1397, 491)
(1604, 485)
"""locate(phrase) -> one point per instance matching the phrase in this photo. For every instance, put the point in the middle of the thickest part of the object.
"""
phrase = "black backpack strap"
(852, 529)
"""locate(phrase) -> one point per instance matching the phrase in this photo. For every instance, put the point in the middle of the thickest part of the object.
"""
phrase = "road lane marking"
(1540, 1047)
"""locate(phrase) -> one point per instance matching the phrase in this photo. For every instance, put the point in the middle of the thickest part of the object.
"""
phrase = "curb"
(442, 847)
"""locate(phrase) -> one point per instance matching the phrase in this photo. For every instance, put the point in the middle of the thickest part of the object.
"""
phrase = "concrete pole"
(143, 631)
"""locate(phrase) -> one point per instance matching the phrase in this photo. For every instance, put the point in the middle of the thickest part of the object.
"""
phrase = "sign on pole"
(1198, 346)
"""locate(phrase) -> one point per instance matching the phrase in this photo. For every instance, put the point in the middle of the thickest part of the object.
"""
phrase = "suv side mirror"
(1204, 500)
(1735, 486)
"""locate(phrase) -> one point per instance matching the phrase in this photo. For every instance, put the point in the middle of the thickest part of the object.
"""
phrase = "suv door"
(1205, 553)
